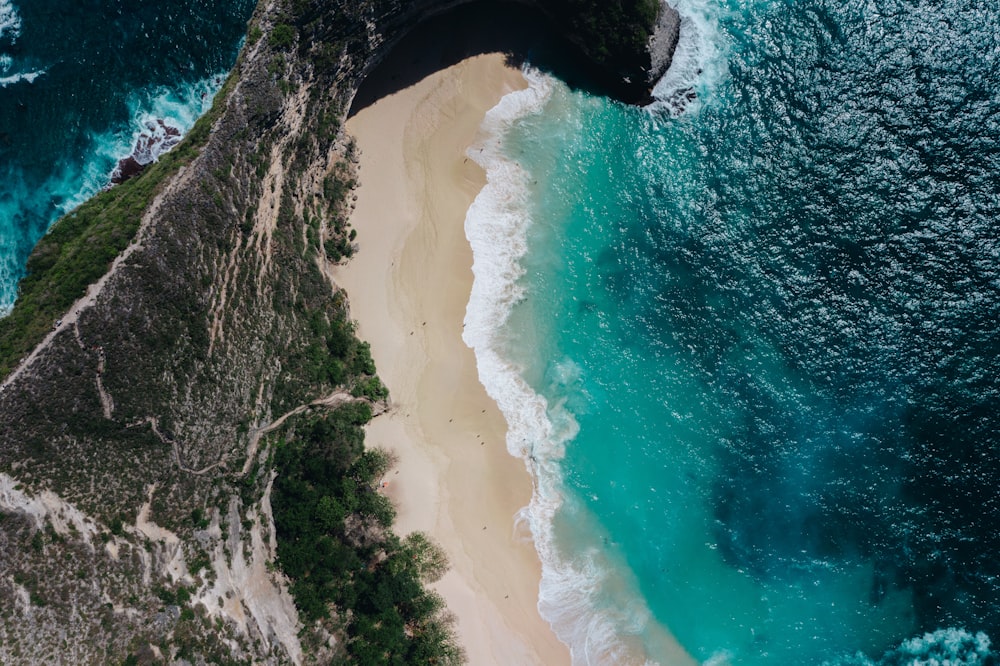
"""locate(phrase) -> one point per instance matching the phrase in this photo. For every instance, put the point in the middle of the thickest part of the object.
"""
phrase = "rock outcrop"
(629, 44)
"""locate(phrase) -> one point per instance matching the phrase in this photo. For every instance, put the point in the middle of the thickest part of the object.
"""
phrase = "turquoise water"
(747, 343)
(78, 82)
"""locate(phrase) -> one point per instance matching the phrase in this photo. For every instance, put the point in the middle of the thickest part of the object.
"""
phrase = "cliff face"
(629, 43)
(135, 471)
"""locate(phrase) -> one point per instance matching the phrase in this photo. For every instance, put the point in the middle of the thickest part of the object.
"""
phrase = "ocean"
(79, 81)
(746, 339)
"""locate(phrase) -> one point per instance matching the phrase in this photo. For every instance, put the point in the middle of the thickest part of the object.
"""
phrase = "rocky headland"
(179, 351)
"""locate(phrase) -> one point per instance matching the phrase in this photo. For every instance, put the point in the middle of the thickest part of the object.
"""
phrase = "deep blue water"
(77, 81)
(765, 329)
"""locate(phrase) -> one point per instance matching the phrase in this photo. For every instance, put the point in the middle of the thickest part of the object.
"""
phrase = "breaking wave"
(10, 21)
(944, 647)
(573, 578)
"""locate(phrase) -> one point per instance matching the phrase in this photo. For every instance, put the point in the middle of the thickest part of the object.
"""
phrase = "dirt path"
(93, 291)
(331, 401)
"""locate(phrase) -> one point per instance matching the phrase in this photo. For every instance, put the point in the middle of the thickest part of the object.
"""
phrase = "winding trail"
(107, 403)
(331, 401)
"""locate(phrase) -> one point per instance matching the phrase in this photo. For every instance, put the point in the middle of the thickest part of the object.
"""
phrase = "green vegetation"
(80, 247)
(371, 388)
(178, 597)
(282, 36)
(614, 33)
(333, 358)
(336, 187)
(335, 544)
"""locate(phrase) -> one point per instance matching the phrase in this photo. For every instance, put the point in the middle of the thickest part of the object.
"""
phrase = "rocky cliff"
(627, 43)
(177, 330)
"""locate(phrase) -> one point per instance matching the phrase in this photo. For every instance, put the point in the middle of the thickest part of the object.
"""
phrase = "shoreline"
(408, 287)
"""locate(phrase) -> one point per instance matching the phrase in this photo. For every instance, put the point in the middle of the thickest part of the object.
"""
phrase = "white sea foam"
(175, 107)
(10, 21)
(943, 647)
(496, 226)
(699, 62)
(10, 30)
(20, 76)
(956, 645)
(180, 108)
(160, 118)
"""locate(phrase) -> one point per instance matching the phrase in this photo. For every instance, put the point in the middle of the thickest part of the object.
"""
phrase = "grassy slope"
(80, 247)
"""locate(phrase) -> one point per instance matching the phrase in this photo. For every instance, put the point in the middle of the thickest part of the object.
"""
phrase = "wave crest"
(28, 77)
(944, 647)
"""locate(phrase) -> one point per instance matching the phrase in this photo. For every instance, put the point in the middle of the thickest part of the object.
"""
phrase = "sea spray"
(943, 647)
(574, 580)
(10, 30)
(176, 107)
(18, 77)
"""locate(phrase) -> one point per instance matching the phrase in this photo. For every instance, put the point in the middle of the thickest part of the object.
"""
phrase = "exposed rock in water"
(158, 138)
(663, 42)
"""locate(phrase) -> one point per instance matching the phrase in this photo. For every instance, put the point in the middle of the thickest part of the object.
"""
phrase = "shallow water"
(747, 342)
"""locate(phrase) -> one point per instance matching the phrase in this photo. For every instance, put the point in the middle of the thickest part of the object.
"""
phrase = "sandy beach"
(408, 288)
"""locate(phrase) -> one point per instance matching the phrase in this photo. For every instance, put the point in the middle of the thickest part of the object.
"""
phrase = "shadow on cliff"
(522, 33)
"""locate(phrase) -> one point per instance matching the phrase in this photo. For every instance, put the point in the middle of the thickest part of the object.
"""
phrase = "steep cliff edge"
(628, 43)
(139, 433)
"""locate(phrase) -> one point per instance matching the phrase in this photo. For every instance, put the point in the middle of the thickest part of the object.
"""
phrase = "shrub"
(282, 36)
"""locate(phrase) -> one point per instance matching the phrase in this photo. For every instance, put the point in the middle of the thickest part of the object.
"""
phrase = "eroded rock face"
(663, 42)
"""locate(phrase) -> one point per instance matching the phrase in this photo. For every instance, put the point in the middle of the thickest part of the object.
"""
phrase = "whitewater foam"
(154, 109)
(175, 107)
(699, 61)
(10, 21)
(6, 78)
(944, 647)
(496, 226)
(28, 77)
(10, 30)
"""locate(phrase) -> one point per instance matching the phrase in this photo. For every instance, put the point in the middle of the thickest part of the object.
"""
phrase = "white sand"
(408, 288)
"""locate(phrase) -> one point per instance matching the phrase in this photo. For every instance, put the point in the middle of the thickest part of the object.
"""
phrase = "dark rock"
(158, 138)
